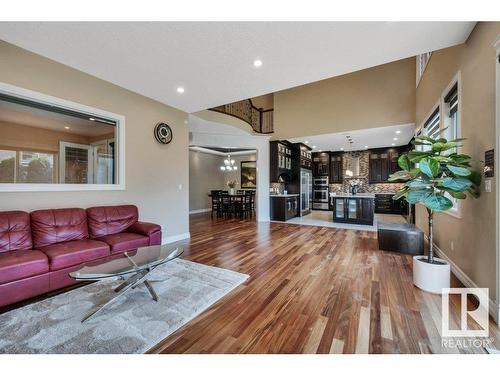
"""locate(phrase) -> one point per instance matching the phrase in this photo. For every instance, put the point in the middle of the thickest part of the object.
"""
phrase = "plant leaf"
(429, 166)
(437, 202)
(440, 146)
(419, 184)
(399, 176)
(459, 171)
(414, 172)
(415, 196)
(425, 138)
(416, 156)
(404, 162)
(457, 183)
(457, 194)
(400, 193)
(476, 178)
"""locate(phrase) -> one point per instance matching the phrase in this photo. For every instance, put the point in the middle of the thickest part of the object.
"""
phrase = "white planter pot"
(431, 277)
(231, 191)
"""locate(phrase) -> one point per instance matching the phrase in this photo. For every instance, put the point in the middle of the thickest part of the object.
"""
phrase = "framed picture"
(248, 174)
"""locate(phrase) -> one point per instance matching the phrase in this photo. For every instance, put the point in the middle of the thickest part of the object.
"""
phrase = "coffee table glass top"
(131, 261)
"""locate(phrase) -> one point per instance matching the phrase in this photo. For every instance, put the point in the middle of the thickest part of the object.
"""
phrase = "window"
(27, 167)
(451, 113)
(50, 141)
(422, 61)
(451, 124)
(432, 126)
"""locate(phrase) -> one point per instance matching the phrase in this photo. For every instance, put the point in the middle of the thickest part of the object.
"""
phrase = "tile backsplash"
(362, 180)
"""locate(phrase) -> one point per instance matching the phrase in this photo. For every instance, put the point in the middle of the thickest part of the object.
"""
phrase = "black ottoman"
(404, 238)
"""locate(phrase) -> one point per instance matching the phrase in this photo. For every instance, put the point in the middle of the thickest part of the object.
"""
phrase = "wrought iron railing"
(261, 121)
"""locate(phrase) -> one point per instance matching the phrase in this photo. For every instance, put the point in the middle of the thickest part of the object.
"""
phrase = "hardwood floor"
(311, 290)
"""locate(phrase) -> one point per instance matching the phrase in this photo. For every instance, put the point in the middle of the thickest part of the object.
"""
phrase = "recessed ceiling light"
(180, 90)
(314, 146)
(306, 142)
(320, 150)
(393, 144)
(91, 119)
(257, 63)
(394, 139)
(342, 149)
(66, 127)
(366, 146)
(398, 131)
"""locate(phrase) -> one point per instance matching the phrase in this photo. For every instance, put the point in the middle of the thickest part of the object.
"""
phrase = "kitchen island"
(284, 206)
(353, 208)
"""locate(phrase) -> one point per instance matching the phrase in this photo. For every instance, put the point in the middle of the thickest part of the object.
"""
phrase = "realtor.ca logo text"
(472, 329)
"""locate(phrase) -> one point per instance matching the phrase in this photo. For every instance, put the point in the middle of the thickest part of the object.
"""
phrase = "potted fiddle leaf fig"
(431, 178)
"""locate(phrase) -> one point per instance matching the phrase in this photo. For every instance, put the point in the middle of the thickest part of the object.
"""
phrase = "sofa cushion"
(15, 231)
(20, 264)
(111, 219)
(71, 253)
(59, 225)
(146, 229)
(124, 241)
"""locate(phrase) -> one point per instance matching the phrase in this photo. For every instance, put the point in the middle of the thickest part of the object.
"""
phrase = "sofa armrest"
(146, 229)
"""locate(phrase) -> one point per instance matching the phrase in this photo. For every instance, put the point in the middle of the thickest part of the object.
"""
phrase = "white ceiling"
(373, 138)
(38, 118)
(213, 61)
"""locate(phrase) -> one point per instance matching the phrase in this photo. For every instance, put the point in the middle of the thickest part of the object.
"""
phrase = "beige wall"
(264, 101)
(37, 139)
(473, 235)
(154, 172)
(204, 175)
(375, 97)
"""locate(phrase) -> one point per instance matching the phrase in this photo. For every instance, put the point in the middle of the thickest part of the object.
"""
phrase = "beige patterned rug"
(133, 323)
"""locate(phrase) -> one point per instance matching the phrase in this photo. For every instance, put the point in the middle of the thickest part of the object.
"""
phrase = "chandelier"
(228, 165)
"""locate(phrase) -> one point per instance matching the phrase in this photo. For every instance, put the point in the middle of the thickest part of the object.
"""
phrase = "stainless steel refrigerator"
(306, 189)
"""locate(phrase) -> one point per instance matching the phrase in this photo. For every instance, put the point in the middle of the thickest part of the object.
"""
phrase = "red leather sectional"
(39, 249)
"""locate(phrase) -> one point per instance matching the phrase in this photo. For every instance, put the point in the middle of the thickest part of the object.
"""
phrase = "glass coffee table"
(132, 266)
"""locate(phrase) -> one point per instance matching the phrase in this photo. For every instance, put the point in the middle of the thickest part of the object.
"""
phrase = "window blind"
(452, 100)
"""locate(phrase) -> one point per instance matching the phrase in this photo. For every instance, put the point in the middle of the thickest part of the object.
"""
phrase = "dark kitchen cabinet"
(321, 164)
(280, 160)
(383, 162)
(284, 208)
(384, 204)
(336, 168)
(353, 210)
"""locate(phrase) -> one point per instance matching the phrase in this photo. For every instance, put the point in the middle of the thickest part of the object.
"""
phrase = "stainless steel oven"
(320, 182)
(320, 193)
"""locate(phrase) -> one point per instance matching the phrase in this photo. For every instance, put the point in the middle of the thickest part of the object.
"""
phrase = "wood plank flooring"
(311, 290)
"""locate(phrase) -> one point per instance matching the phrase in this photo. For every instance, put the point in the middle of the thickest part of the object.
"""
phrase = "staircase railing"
(261, 121)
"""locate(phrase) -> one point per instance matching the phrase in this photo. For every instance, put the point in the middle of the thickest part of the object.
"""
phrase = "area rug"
(133, 323)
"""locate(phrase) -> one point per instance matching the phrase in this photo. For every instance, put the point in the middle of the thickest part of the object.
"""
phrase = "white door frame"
(62, 160)
(95, 161)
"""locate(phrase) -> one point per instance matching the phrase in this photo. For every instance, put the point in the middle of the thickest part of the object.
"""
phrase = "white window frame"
(8, 89)
(456, 211)
(62, 160)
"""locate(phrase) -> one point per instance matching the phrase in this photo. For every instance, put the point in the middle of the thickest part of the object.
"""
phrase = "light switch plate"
(487, 185)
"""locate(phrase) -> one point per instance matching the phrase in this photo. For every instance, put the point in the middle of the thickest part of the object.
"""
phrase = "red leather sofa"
(39, 249)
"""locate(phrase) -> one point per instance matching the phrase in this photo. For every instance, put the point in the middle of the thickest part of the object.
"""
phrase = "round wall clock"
(163, 133)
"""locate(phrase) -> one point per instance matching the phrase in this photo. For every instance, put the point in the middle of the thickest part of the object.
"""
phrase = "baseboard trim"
(466, 280)
(178, 237)
(199, 211)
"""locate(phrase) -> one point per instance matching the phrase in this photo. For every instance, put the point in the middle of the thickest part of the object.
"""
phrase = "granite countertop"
(349, 195)
(283, 195)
